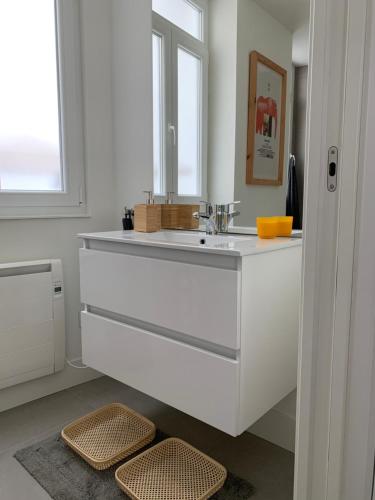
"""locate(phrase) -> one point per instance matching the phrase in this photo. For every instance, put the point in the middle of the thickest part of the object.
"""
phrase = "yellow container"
(285, 224)
(267, 227)
(271, 227)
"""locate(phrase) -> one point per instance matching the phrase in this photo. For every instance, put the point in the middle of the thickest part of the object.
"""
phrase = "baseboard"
(35, 389)
(277, 427)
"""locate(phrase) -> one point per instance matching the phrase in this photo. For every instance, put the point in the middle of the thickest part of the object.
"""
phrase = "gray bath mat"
(65, 476)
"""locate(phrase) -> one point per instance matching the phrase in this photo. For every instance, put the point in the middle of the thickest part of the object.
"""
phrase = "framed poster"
(266, 122)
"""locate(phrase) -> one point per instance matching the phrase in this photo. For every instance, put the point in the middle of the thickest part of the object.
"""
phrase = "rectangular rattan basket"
(171, 470)
(108, 435)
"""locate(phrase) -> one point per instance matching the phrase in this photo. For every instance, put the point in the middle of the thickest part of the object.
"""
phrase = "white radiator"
(32, 320)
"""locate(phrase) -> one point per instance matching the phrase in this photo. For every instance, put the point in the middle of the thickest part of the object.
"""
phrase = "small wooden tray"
(108, 435)
(171, 470)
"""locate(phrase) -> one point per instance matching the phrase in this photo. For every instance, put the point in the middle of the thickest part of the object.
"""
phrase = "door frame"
(338, 32)
(359, 441)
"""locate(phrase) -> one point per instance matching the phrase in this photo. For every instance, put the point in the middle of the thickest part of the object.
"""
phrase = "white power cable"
(73, 365)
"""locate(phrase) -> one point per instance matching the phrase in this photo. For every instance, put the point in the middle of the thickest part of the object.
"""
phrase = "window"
(41, 139)
(180, 64)
(29, 120)
(184, 14)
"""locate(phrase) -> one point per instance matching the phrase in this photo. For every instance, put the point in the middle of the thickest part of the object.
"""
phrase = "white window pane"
(189, 123)
(157, 113)
(182, 13)
(29, 113)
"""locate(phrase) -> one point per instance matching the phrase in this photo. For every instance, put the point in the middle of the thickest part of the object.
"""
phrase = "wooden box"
(177, 216)
(147, 218)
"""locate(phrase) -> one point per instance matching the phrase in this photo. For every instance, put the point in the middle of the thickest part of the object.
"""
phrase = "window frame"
(71, 200)
(160, 28)
(174, 37)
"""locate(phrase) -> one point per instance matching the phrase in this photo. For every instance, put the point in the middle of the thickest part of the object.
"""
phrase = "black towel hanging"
(292, 202)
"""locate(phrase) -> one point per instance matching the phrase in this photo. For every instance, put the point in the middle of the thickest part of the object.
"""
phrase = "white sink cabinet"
(209, 329)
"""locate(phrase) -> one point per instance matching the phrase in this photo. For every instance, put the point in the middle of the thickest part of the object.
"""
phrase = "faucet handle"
(206, 214)
(231, 210)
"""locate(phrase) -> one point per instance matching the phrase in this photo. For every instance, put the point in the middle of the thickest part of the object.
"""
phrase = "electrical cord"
(73, 365)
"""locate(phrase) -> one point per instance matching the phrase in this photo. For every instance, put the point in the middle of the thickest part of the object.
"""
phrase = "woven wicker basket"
(108, 435)
(171, 470)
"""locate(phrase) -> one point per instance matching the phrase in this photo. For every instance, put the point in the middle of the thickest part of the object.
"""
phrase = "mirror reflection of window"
(158, 117)
(189, 102)
(180, 62)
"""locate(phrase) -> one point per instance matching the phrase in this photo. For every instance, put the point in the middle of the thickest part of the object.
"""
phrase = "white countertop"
(222, 244)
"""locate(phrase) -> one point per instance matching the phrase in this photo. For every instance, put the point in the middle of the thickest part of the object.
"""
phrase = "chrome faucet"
(224, 215)
(208, 216)
(217, 217)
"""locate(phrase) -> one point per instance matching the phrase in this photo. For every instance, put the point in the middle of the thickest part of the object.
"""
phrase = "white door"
(359, 442)
(335, 99)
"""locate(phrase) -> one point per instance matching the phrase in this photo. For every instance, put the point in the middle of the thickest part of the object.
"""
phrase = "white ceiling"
(291, 13)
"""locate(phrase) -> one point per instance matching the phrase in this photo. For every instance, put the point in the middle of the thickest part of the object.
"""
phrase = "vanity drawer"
(196, 300)
(194, 381)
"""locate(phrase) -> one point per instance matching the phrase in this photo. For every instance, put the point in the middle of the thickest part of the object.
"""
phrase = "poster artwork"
(266, 122)
(267, 136)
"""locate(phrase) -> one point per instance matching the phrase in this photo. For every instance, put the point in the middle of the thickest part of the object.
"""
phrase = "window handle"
(172, 130)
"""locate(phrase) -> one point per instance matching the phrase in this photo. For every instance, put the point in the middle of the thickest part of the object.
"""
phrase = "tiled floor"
(268, 467)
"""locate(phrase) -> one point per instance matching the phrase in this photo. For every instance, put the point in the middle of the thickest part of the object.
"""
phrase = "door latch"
(332, 166)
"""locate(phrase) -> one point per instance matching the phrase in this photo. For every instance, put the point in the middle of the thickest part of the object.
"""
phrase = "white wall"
(257, 30)
(222, 41)
(117, 88)
(278, 425)
(132, 98)
(301, 45)
(55, 238)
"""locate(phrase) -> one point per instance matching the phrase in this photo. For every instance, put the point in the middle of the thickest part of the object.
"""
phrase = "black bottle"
(127, 221)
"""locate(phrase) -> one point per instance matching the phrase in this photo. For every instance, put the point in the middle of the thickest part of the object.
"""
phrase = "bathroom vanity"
(206, 324)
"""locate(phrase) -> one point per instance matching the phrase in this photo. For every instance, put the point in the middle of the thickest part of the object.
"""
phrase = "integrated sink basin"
(190, 238)
(225, 244)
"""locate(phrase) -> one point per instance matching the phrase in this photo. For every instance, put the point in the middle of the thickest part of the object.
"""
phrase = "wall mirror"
(229, 103)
